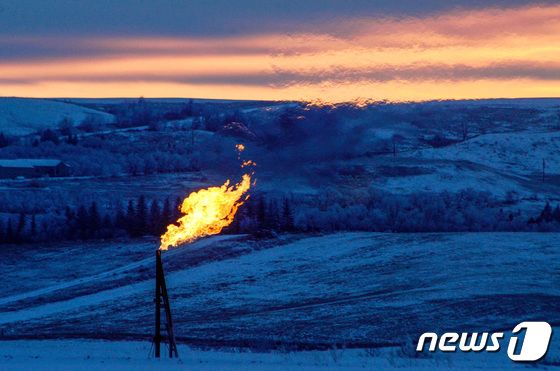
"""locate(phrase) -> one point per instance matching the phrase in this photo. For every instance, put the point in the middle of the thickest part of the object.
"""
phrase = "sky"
(324, 50)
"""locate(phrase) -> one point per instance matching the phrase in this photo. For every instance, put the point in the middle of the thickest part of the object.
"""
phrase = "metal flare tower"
(162, 298)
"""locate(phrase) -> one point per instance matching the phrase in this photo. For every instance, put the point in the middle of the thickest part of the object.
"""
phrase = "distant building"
(33, 168)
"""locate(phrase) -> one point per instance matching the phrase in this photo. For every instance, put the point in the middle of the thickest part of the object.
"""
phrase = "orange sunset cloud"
(482, 53)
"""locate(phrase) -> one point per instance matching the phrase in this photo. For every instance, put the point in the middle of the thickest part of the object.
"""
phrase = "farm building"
(33, 168)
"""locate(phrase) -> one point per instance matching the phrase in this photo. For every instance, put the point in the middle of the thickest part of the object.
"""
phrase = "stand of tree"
(263, 216)
(137, 218)
(548, 219)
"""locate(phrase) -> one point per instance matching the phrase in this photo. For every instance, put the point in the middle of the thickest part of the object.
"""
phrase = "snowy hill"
(349, 288)
(520, 153)
(502, 164)
(22, 116)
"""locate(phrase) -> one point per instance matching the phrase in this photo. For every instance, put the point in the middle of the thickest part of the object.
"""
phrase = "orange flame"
(208, 211)
(248, 163)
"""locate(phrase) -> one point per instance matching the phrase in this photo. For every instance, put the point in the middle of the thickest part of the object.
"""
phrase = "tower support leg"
(162, 297)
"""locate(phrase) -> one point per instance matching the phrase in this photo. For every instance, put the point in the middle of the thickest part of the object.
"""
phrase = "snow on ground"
(79, 355)
(345, 288)
(501, 164)
(520, 153)
(410, 175)
(106, 190)
(372, 293)
(21, 116)
(451, 176)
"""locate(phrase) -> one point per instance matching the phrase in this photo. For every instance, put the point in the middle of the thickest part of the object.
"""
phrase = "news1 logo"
(532, 348)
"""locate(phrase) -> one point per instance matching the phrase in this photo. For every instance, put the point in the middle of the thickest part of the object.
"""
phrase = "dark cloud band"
(340, 75)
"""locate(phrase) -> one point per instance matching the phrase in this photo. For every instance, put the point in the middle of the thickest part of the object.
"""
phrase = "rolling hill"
(22, 116)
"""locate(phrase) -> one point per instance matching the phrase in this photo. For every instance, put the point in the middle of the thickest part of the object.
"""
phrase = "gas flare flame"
(207, 211)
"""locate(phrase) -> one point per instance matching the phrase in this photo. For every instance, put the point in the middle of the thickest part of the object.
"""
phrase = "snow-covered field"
(76, 355)
(21, 116)
(371, 292)
(517, 153)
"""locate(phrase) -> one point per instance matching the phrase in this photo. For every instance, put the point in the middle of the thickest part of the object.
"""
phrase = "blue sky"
(206, 17)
